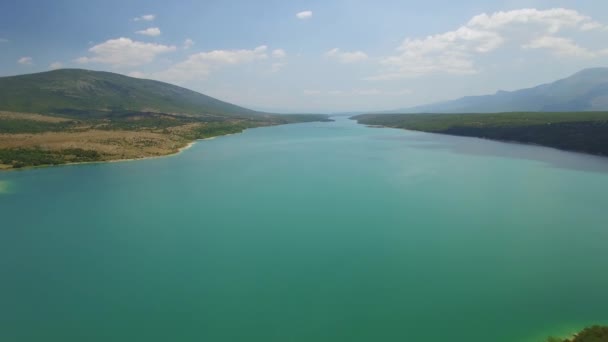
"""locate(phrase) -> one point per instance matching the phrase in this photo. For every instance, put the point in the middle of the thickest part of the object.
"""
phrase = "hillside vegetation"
(580, 131)
(72, 115)
(78, 92)
(592, 334)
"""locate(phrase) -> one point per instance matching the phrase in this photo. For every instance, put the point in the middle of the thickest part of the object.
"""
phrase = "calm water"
(312, 232)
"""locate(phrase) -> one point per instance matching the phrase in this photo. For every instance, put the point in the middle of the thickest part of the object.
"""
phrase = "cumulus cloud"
(56, 65)
(145, 17)
(122, 52)
(304, 15)
(201, 64)
(560, 46)
(151, 31)
(25, 61)
(454, 52)
(188, 43)
(346, 57)
(592, 26)
(279, 53)
(552, 20)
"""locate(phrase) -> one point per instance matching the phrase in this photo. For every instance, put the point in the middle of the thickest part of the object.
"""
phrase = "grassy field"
(580, 131)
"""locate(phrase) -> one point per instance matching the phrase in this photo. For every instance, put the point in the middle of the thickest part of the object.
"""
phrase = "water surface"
(310, 232)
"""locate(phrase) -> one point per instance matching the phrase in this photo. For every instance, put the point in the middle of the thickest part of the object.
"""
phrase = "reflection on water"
(484, 147)
(308, 232)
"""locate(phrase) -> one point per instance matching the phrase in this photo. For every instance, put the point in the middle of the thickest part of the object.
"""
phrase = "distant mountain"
(78, 92)
(586, 90)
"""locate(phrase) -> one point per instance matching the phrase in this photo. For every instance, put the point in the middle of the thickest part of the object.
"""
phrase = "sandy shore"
(180, 150)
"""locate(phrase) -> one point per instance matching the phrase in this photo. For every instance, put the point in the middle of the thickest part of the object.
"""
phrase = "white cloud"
(592, 26)
(145, 17)
(4, 40)
(551, 20)
(124, 52)
(188, 43)
(25, 61)
(279, 53)
(151, 31)
(304, 15)
(201, 64)
(454, 52)
(56, 65)
(560, 46)
(346, 57)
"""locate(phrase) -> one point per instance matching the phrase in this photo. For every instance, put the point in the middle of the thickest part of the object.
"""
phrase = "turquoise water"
(310, 232)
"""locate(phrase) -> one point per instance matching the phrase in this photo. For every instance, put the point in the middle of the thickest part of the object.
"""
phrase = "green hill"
(574, 131)
(77, 92)
(71, 115)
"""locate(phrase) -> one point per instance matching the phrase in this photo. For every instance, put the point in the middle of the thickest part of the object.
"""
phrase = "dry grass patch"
(110, 144)
(31, 117)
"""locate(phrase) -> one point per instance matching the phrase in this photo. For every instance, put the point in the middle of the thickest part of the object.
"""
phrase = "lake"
(309, 232)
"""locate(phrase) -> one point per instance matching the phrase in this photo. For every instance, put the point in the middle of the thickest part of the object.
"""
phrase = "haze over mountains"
(76, 91)
(586, 90)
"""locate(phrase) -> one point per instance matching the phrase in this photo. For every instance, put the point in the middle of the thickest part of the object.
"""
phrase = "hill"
(72, 115)
(586, 90)
(78, 92)
(574, 131)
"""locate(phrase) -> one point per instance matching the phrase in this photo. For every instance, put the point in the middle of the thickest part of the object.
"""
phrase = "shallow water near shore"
(5, 187)
(308, 232)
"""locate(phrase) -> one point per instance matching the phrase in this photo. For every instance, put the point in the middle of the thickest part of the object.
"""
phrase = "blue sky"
(312, 56)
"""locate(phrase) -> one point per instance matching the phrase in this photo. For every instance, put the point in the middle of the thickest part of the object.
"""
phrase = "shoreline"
(512, 142)
(179, 151)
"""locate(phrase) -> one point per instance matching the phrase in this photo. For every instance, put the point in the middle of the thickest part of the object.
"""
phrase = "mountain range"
(586, 90)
